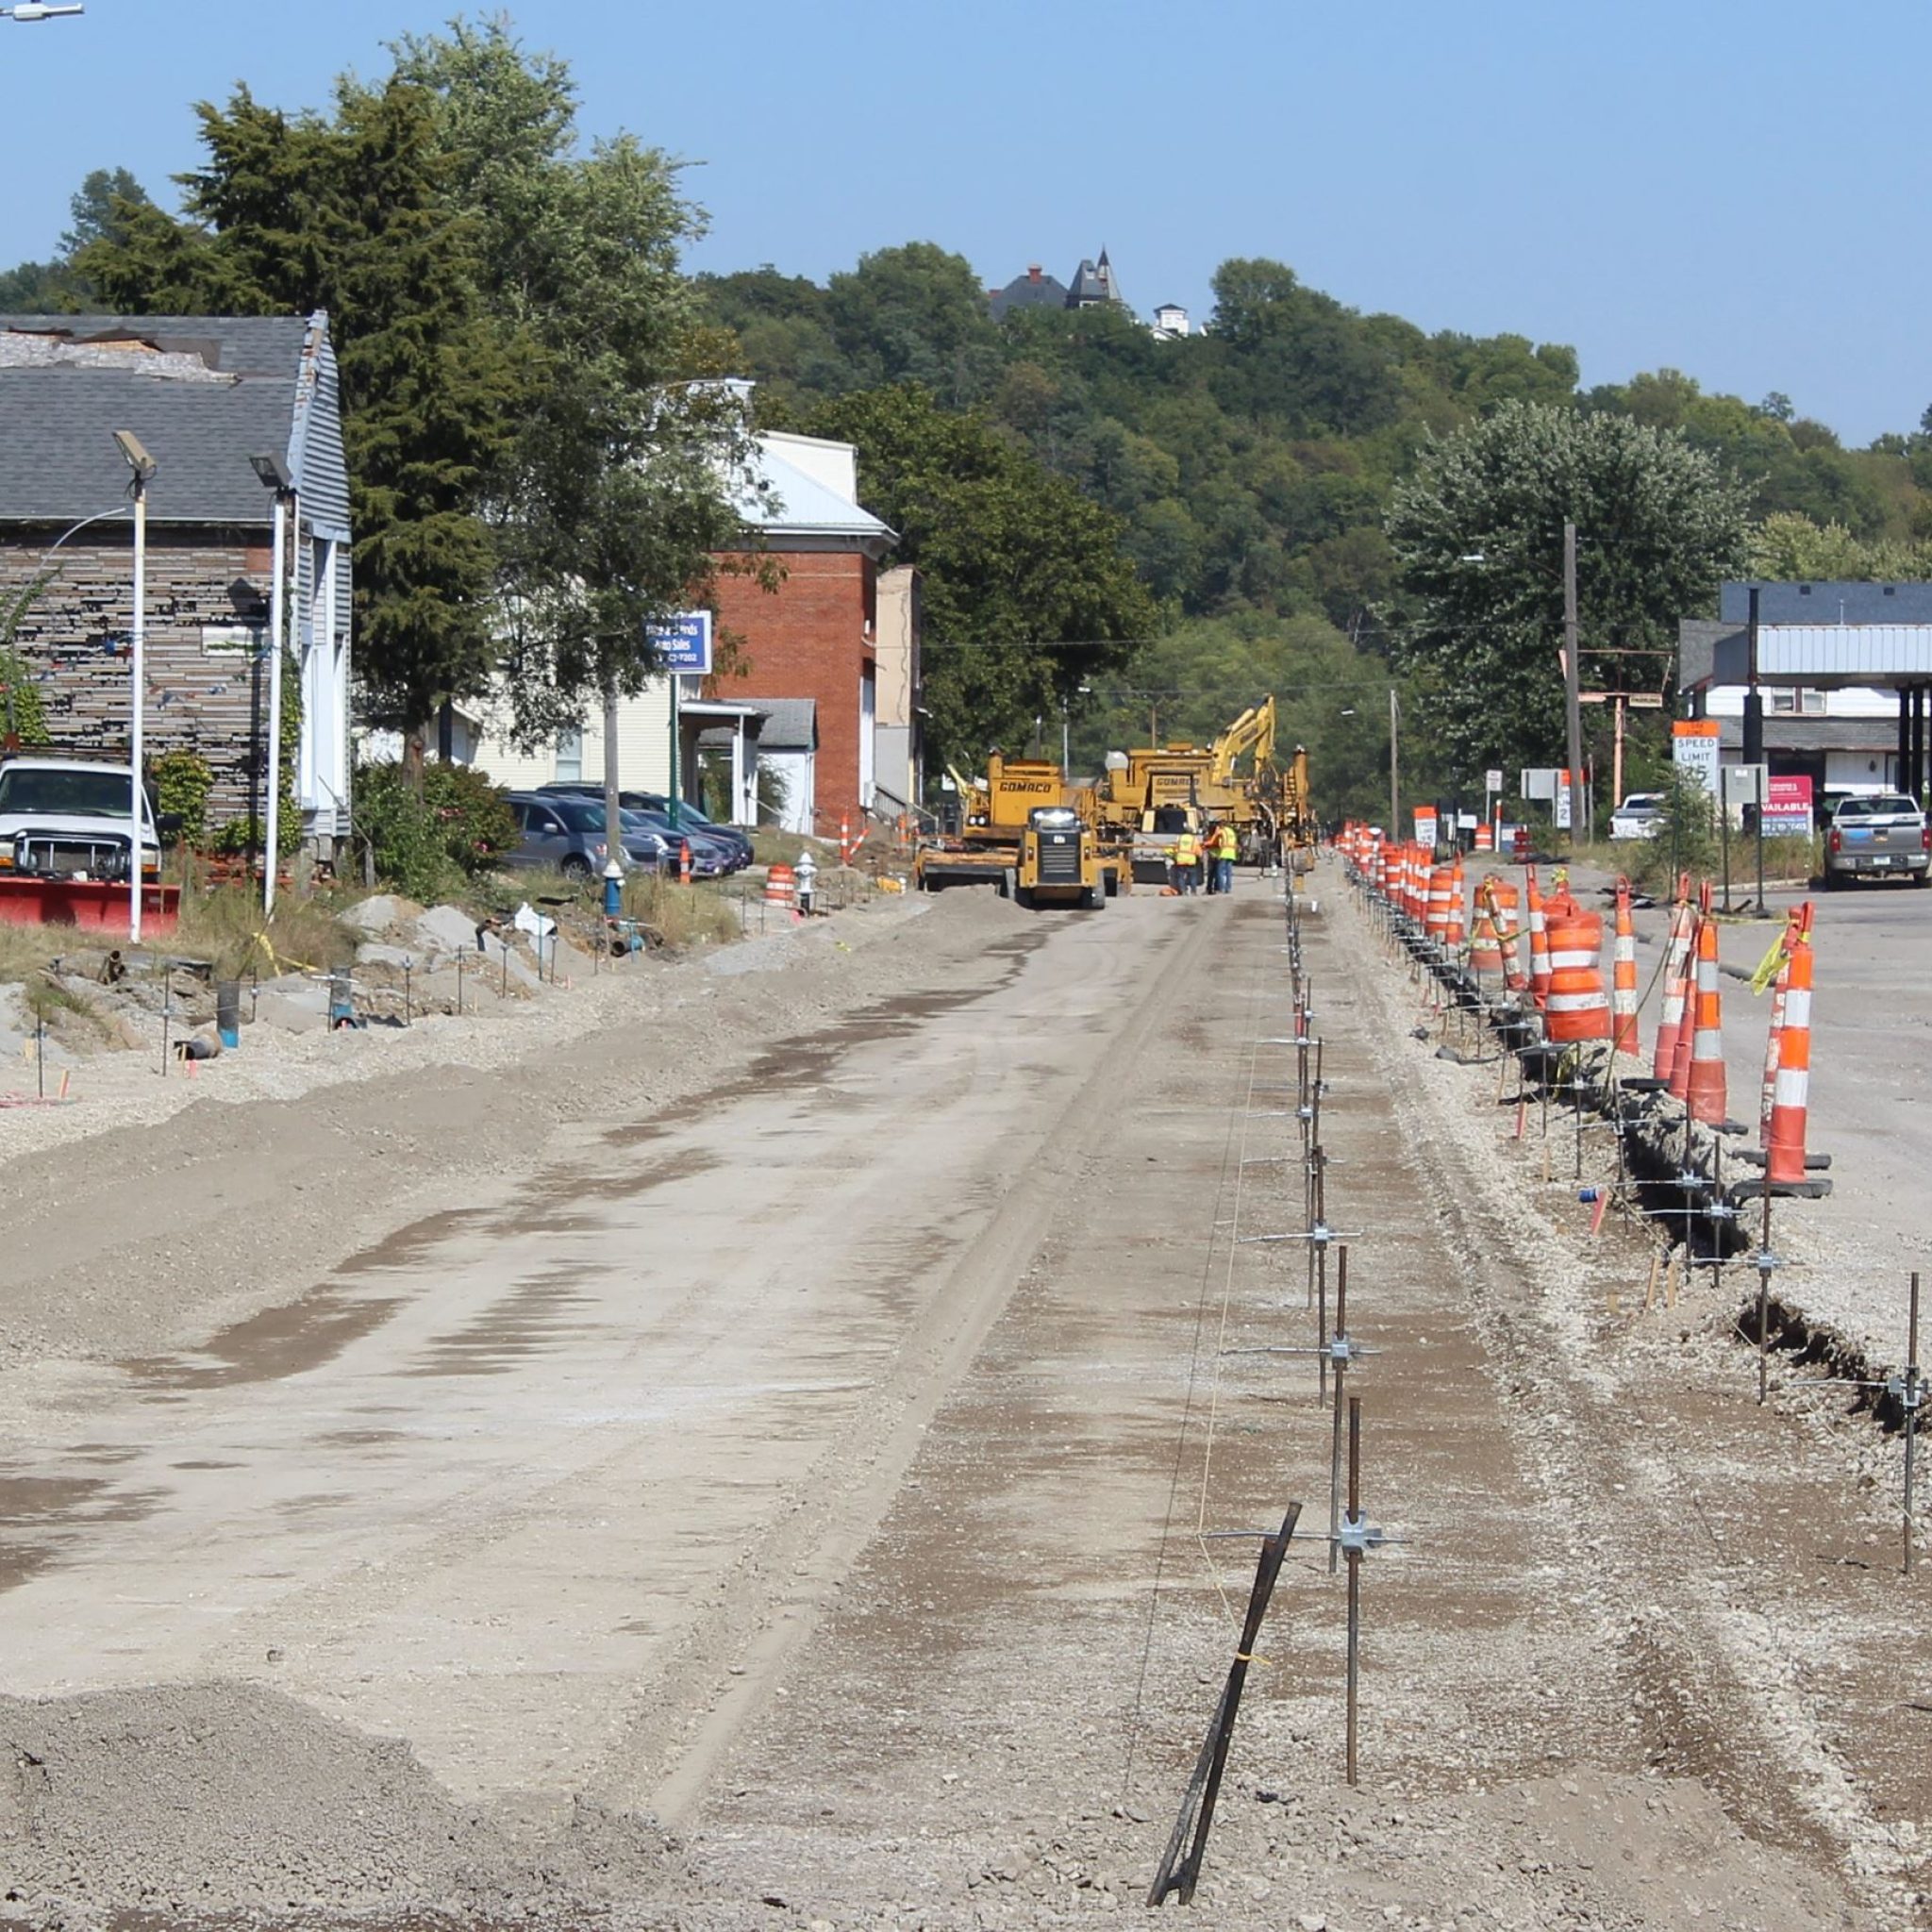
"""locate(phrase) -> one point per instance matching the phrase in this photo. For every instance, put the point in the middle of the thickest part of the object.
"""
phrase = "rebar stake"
(1910, 1397)
(1340, 1376)
(1355, 1575)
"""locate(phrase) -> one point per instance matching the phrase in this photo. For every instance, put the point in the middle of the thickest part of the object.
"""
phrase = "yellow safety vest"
(1184, 849)
(1228, 843)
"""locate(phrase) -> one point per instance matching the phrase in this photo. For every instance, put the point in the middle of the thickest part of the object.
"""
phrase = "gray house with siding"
(204, 394)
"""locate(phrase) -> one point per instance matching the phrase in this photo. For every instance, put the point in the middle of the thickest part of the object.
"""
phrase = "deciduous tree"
(1479, 540)
(1027, 593)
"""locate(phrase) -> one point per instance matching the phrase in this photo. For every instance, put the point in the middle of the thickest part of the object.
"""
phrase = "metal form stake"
(1355, 1575)
(40, 1071)
(1341, 1378)
(1181, 1875)
(1766, 1262)
(167, 1013)
(459, 986)
(1911, 1396)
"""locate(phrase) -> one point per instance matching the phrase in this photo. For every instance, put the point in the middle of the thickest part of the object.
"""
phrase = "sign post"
(683, 644)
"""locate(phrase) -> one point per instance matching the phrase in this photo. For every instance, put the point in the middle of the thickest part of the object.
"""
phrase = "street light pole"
(1394, 766)
(1572, 704)
(275, 476)
(143, 467)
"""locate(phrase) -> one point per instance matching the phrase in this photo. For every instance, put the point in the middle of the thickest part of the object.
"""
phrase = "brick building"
(806, 650)
(815, 636)
(204, 394)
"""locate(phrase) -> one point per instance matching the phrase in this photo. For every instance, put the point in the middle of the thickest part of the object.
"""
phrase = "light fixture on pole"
(143, 467)
(31, 11)
(274, 474)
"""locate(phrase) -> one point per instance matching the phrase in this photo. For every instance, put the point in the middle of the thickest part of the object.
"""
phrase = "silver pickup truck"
(1883, 836)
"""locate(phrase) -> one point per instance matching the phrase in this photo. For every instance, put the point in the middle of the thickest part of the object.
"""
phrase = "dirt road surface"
(770, 1466)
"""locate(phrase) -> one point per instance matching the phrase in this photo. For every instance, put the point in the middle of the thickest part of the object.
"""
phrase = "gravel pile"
(220, 1798)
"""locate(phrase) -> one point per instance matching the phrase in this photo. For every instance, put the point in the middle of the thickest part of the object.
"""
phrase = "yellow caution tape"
(1770, 966)
(277, 959)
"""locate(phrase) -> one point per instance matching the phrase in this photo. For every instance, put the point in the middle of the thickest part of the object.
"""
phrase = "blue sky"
(1735, 190)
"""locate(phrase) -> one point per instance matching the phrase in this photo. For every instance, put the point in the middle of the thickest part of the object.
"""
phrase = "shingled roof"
(204, 393)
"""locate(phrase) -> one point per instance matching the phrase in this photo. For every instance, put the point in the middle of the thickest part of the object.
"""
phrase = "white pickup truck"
(1882, 836)
(69, 817)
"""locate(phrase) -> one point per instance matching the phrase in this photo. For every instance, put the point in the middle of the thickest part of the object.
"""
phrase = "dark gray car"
(567, 835)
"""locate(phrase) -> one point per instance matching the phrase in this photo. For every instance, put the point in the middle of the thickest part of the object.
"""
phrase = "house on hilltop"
(204, 394)
(1035, 289)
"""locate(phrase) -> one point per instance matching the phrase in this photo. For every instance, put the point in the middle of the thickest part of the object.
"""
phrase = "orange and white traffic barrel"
(781, 886)
(1577, 1006)
(1435, 923)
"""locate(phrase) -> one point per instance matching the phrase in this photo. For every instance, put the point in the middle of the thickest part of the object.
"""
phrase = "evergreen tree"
(353, 214)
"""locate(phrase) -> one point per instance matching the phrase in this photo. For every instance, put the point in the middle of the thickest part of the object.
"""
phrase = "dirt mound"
(226, 1797)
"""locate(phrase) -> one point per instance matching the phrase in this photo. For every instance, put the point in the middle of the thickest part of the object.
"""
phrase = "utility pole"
(1394, 766)
(1572, 703)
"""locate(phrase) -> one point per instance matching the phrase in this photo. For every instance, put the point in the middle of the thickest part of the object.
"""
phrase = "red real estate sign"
(1788, 805)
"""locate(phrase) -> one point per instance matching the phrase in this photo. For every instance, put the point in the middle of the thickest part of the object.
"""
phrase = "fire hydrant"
(807, 872)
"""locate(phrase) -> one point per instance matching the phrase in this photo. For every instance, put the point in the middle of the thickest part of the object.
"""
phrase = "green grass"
(682, 915)
(768, 847)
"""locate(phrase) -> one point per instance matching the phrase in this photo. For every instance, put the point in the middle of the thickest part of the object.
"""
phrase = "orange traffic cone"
(1676, 951)
(1780, 985)
(1784, 1142)
(1498, 896)
(1624, 978)
(1485, 941)
(1539, 942)
(1704, 1093)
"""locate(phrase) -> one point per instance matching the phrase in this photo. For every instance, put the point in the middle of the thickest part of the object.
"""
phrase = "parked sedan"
(690, 818)
(710, 857)
(568, 834)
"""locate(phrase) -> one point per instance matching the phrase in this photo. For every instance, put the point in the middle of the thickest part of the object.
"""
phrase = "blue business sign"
(684, 642)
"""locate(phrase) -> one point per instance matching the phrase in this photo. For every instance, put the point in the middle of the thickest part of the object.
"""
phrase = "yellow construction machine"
(1059, 861)
(1154, 793)
(996, 814)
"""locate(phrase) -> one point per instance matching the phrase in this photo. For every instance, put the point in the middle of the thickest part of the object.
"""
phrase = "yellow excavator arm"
(1252, 731)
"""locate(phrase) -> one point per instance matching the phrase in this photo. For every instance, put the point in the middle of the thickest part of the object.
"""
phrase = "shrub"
(479, 827)
(183, 780)
(23, 716)
(425, 844)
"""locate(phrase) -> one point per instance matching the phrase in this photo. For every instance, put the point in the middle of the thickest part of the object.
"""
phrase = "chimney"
(1032, 271)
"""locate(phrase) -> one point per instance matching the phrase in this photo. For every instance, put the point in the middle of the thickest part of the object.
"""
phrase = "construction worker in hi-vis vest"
(1185, 851)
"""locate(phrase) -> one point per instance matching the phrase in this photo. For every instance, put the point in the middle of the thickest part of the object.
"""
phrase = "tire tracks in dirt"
(686, 1720)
